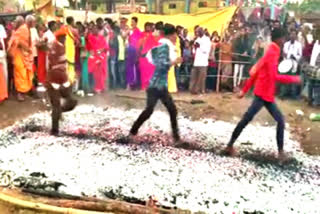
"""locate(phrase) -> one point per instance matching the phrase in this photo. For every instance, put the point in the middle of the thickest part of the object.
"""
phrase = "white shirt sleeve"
(285, 48)
(149, 57)
(299, 51)
(3, 33)
(315, 53)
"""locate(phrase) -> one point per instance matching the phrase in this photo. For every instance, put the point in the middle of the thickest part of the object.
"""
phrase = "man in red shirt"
(264, 76)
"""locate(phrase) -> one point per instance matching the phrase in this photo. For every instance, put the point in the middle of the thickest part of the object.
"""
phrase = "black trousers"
(153, 95)
(255, 107)
(55, 96)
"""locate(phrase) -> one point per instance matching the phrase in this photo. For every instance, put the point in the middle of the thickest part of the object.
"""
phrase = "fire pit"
(88, 160)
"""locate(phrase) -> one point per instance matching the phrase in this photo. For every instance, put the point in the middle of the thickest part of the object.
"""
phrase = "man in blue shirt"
(163, 57)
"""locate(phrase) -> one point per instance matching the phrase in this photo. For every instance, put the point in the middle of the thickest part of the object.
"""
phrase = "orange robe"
(21, 51)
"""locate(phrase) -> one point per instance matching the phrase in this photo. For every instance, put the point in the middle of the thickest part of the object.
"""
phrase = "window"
(172, 6)
(203, 4)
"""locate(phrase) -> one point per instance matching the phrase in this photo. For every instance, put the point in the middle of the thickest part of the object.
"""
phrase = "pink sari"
(97, 62)
(146, 68)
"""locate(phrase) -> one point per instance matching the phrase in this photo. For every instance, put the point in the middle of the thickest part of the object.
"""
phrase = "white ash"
(87, 159)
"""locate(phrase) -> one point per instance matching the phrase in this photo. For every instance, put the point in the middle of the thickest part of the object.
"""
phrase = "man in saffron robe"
(58, 86)
(132, 56)
(98, 47)
(147, 42)
(21, 51)
(11, 48)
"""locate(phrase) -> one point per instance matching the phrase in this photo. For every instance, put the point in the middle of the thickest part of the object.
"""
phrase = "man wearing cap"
(58, 85)
(264, 76)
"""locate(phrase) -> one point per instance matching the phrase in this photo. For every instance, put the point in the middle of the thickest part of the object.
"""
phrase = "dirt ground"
(223, 106)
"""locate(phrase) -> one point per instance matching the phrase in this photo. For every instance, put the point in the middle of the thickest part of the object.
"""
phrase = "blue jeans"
(113, 72)
(121, 73)
(255, 107)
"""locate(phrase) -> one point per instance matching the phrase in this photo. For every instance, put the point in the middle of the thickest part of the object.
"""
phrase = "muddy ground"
(223, 106)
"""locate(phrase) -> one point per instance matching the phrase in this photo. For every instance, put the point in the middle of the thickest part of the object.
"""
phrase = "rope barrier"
(226, 76)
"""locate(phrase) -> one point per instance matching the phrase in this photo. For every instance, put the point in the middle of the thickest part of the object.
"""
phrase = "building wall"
(170, 7)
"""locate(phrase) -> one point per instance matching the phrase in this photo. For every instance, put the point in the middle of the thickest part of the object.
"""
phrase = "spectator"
(200, 66)
(70, 42)
(241, 50)
(3, 64)
(98, 48)
(147, 42)
(226, 63)
(133, 74)
(3, 53)
(292, 51)
(22, 53)
(122, 44)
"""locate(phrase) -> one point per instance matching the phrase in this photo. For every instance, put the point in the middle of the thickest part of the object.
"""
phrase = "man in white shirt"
(49, 37)
(293, 50)
(201, 61)
(35, 39)
(49, 34)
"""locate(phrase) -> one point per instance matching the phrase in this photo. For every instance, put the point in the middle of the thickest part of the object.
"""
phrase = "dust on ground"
(223, 106)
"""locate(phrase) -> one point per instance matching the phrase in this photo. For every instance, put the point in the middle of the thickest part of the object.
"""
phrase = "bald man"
(21, 51)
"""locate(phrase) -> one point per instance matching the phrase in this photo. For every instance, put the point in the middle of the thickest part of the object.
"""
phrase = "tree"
(306, 6)
(2, 4)
(309, 6)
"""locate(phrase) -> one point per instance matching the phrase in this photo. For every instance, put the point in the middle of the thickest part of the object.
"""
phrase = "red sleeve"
(253, 74)
(287, 79)
(249, 83)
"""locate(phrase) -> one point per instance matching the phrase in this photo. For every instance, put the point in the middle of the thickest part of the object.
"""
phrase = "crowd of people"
(90, 58)
(105, 55)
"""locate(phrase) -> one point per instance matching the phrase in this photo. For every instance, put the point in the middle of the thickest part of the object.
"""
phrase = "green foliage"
(307, 6)
(2, 5)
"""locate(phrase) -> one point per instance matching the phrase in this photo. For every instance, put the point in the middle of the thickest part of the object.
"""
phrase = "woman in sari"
(86, 78)
(146, 68)
(42, 55)
(98, 47)
(3, 84)
(132, 55)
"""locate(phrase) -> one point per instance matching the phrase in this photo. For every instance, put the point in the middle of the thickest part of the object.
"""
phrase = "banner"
(210, 20)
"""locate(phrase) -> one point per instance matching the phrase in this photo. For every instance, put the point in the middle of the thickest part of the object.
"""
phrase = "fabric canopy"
(213, 21)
